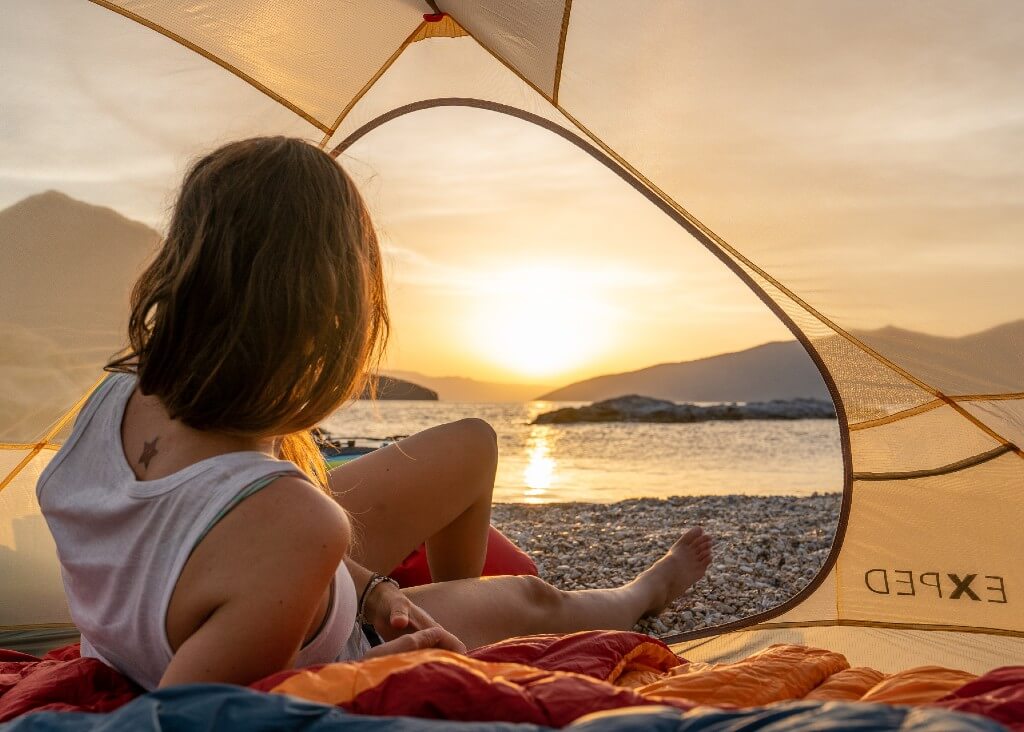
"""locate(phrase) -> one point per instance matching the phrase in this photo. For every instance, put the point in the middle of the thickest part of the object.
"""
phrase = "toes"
(693, 536)
(703, 550)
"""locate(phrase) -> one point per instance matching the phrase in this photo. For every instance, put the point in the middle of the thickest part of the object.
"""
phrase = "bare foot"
(677, 571)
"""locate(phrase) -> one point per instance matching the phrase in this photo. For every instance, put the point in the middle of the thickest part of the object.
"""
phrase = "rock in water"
(635, 408)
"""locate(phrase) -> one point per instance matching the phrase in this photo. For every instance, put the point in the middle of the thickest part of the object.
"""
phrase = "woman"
(199, 535)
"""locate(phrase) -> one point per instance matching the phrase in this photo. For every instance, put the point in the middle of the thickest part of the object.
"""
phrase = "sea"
(608, 462)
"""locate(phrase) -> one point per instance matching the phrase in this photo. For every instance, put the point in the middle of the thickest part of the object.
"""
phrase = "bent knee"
(477, 437)
(478, 429)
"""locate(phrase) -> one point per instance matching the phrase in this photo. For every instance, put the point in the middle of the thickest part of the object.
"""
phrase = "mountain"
(67, 270)
(461, 389)
(987, 362)
(69, 263)
(770, 371)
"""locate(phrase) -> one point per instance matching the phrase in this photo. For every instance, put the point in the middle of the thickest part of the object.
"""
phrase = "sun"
(539, 321)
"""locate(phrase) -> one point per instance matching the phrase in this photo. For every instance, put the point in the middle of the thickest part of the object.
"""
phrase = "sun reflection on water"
(539, 474)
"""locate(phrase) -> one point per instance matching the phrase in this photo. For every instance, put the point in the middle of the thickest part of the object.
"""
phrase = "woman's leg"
(486, 610)
(434, 486)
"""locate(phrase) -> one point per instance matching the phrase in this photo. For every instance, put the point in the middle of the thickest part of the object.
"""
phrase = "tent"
(880, 143)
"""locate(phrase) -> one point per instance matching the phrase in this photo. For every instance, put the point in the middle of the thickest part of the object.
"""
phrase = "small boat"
(340, 450)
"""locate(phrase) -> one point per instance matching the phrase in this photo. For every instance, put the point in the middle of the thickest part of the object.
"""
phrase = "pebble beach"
(767, 548)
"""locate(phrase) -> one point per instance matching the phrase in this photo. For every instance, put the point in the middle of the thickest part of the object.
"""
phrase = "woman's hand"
(434, 637)
(392, 614)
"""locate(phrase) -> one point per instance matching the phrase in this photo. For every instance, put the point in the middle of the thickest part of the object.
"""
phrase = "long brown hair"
(264, 309)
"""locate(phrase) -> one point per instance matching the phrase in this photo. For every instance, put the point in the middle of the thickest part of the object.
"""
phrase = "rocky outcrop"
(388, 387)
(634, 408)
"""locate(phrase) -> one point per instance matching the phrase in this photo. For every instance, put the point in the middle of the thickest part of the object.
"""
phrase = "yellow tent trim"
(37, 626)
(934, 404)
(968, 462)
(561, 51)
(45, 442)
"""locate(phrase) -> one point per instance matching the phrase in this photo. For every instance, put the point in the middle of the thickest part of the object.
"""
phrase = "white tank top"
(123, 542)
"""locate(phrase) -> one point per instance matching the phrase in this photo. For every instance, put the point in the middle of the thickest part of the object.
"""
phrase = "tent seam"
(898, 416)
(933, 404)
(969, 462)
(329, 133)
(563, 34)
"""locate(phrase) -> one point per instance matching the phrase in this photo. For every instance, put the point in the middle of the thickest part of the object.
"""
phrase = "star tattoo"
(148, 452)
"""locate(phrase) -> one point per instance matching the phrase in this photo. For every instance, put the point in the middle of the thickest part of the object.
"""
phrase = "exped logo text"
(943, 585)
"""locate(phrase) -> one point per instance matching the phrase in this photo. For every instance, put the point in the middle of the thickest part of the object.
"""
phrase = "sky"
(531, 261)
(874, 167)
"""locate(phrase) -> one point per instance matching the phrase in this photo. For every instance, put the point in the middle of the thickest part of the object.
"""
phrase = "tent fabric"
(860, 194)
(553, 682)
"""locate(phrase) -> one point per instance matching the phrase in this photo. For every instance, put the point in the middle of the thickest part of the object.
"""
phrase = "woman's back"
(123, 542)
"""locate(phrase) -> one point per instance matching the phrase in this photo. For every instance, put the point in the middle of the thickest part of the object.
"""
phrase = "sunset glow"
(539, 321)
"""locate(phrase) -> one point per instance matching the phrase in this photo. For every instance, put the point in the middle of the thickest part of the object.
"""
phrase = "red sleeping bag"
(503, 557)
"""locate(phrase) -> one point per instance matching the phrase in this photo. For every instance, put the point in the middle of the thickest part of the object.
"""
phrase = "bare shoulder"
(286, 535)
(291, 501)
(288, 517)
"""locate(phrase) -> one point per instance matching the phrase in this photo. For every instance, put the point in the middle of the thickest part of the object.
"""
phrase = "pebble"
(767, 548)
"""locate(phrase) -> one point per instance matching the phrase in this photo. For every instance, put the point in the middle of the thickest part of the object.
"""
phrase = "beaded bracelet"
(375, 580)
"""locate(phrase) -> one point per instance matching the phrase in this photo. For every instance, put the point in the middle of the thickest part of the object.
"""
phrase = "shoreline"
(767, 548)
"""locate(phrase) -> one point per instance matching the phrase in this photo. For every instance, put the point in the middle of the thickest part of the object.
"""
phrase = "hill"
(987, 362)
(388, 387)
(770, 371)
(462, 389)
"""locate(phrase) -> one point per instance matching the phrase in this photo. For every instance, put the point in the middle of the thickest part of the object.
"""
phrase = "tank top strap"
(247, 490)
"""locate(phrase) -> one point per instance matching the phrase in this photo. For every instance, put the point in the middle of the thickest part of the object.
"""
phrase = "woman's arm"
(360, 575)
(276, 553)
(388, 609)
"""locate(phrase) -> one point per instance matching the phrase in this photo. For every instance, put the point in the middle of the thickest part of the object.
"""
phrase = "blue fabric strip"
(198, 707)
